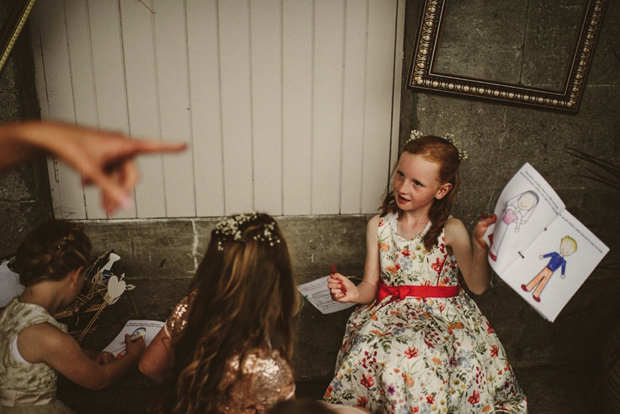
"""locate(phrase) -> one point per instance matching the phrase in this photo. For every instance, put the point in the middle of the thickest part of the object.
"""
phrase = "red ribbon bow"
(401, 292)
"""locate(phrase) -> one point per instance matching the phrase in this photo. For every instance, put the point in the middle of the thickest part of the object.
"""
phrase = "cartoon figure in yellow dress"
(568, 246)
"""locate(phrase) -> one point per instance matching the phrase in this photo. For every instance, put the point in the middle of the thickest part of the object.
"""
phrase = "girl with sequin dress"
(419, 343)
(34, 347)
(227, 346)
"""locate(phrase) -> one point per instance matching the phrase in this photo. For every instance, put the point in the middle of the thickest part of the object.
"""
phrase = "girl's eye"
(400, 174)
(417, 183)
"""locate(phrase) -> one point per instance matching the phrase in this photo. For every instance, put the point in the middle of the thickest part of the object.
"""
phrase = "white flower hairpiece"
(229, 229)
(415, 134)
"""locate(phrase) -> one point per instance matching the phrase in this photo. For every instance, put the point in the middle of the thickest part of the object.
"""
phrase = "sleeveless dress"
(25, 387)
(422, 355)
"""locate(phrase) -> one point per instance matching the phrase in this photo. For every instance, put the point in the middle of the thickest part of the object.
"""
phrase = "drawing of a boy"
(568, 246)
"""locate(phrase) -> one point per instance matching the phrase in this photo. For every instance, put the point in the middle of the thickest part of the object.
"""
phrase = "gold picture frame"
(568, 98)
(9, 31)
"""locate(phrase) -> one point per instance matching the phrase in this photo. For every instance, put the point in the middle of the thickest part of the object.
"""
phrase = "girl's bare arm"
(157, 358)
(471, 254)
(44, 343)
(343, 290)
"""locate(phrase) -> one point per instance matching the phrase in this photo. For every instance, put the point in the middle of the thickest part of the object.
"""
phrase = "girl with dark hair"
(34, 347)
(420, 343)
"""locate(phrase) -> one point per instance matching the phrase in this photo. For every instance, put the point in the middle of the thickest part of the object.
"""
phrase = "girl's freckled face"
(416, 182)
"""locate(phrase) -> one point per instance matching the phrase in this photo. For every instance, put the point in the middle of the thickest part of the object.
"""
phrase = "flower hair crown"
(229, 228)
(415, 134)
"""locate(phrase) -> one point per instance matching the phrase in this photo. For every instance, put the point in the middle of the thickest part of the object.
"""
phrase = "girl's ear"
(76, 275)
(443, 190)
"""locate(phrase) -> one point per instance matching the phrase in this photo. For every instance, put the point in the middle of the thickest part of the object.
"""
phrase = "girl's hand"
(103, 358)
(480, 229)
(341, 288)
(103, 158)
(136, 347)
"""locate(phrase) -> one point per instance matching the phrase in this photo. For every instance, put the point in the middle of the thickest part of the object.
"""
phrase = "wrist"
(132, 355)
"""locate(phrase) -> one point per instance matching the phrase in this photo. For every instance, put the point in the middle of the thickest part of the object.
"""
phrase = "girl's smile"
(416, 182)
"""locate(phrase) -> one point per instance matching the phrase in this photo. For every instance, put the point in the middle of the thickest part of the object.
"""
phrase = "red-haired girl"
(421, 344)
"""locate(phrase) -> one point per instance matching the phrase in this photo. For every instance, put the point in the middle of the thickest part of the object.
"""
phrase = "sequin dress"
(266, 377)
(25, 387)
(422, 355)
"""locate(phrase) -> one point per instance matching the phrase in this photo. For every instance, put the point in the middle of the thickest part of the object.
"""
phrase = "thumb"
(112, 193)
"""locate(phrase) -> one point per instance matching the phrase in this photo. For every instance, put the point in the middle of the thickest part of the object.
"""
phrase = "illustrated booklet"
(537, 247)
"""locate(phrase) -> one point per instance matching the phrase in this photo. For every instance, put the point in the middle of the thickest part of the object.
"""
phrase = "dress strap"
(401, 292)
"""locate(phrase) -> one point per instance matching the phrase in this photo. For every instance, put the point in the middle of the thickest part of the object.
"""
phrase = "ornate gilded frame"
(9, 31)
(422, 76)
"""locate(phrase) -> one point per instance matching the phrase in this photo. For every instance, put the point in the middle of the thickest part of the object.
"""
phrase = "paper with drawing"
(147, 329)
(537, 247)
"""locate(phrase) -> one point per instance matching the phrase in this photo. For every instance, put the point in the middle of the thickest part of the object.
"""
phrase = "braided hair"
(51, 251)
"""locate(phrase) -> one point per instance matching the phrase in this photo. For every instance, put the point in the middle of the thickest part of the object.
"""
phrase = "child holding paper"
(34, 347)
(420, 343)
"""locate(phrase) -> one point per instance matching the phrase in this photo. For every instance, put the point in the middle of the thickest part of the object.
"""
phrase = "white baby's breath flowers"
(229, 229)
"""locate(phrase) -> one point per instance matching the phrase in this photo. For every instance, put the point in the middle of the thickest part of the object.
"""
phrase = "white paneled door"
(289, 106)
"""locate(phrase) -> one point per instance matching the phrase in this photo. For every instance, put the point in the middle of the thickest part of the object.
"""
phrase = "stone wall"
(24, 192)
(558, 364)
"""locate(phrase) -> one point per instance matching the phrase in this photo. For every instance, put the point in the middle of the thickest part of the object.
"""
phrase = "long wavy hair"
(50, 252)
(244, 294)
(446, 156)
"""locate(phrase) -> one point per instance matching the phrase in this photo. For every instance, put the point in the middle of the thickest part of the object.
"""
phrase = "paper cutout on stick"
(115, 289)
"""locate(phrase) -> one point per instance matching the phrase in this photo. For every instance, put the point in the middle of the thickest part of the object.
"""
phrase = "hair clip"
(415, 134)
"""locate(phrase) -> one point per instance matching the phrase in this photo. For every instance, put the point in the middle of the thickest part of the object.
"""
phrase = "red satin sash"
(401, 292)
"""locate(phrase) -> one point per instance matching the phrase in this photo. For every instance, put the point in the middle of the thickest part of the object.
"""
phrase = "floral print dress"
(422, 355)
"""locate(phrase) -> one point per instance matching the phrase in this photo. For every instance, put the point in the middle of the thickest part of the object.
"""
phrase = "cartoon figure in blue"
(568, 246)
(517, 211)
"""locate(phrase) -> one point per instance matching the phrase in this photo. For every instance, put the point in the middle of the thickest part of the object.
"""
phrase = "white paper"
(526, 206)
(9, 285)
(132, 327)
(537, 247)
(319, 296)
(559, 288)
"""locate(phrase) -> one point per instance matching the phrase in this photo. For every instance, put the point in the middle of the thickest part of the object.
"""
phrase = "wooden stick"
(147, 6)
(92, 321)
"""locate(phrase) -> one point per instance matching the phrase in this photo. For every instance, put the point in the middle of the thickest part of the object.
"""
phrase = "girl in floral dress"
(420, 344)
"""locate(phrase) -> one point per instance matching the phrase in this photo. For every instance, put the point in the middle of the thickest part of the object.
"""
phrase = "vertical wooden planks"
(40, 84)
(205, 94)
(236, 105)
(174, 105)
(55, 57)
(83, 84)
(288, 104)
(327, 106)
(354, 106)
(266, 64)
(297, 81)
(142, 103)
(378, 121)
(399, 53)
(109, 75)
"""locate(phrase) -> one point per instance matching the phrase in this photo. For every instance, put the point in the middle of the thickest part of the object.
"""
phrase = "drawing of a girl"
(517, 211)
